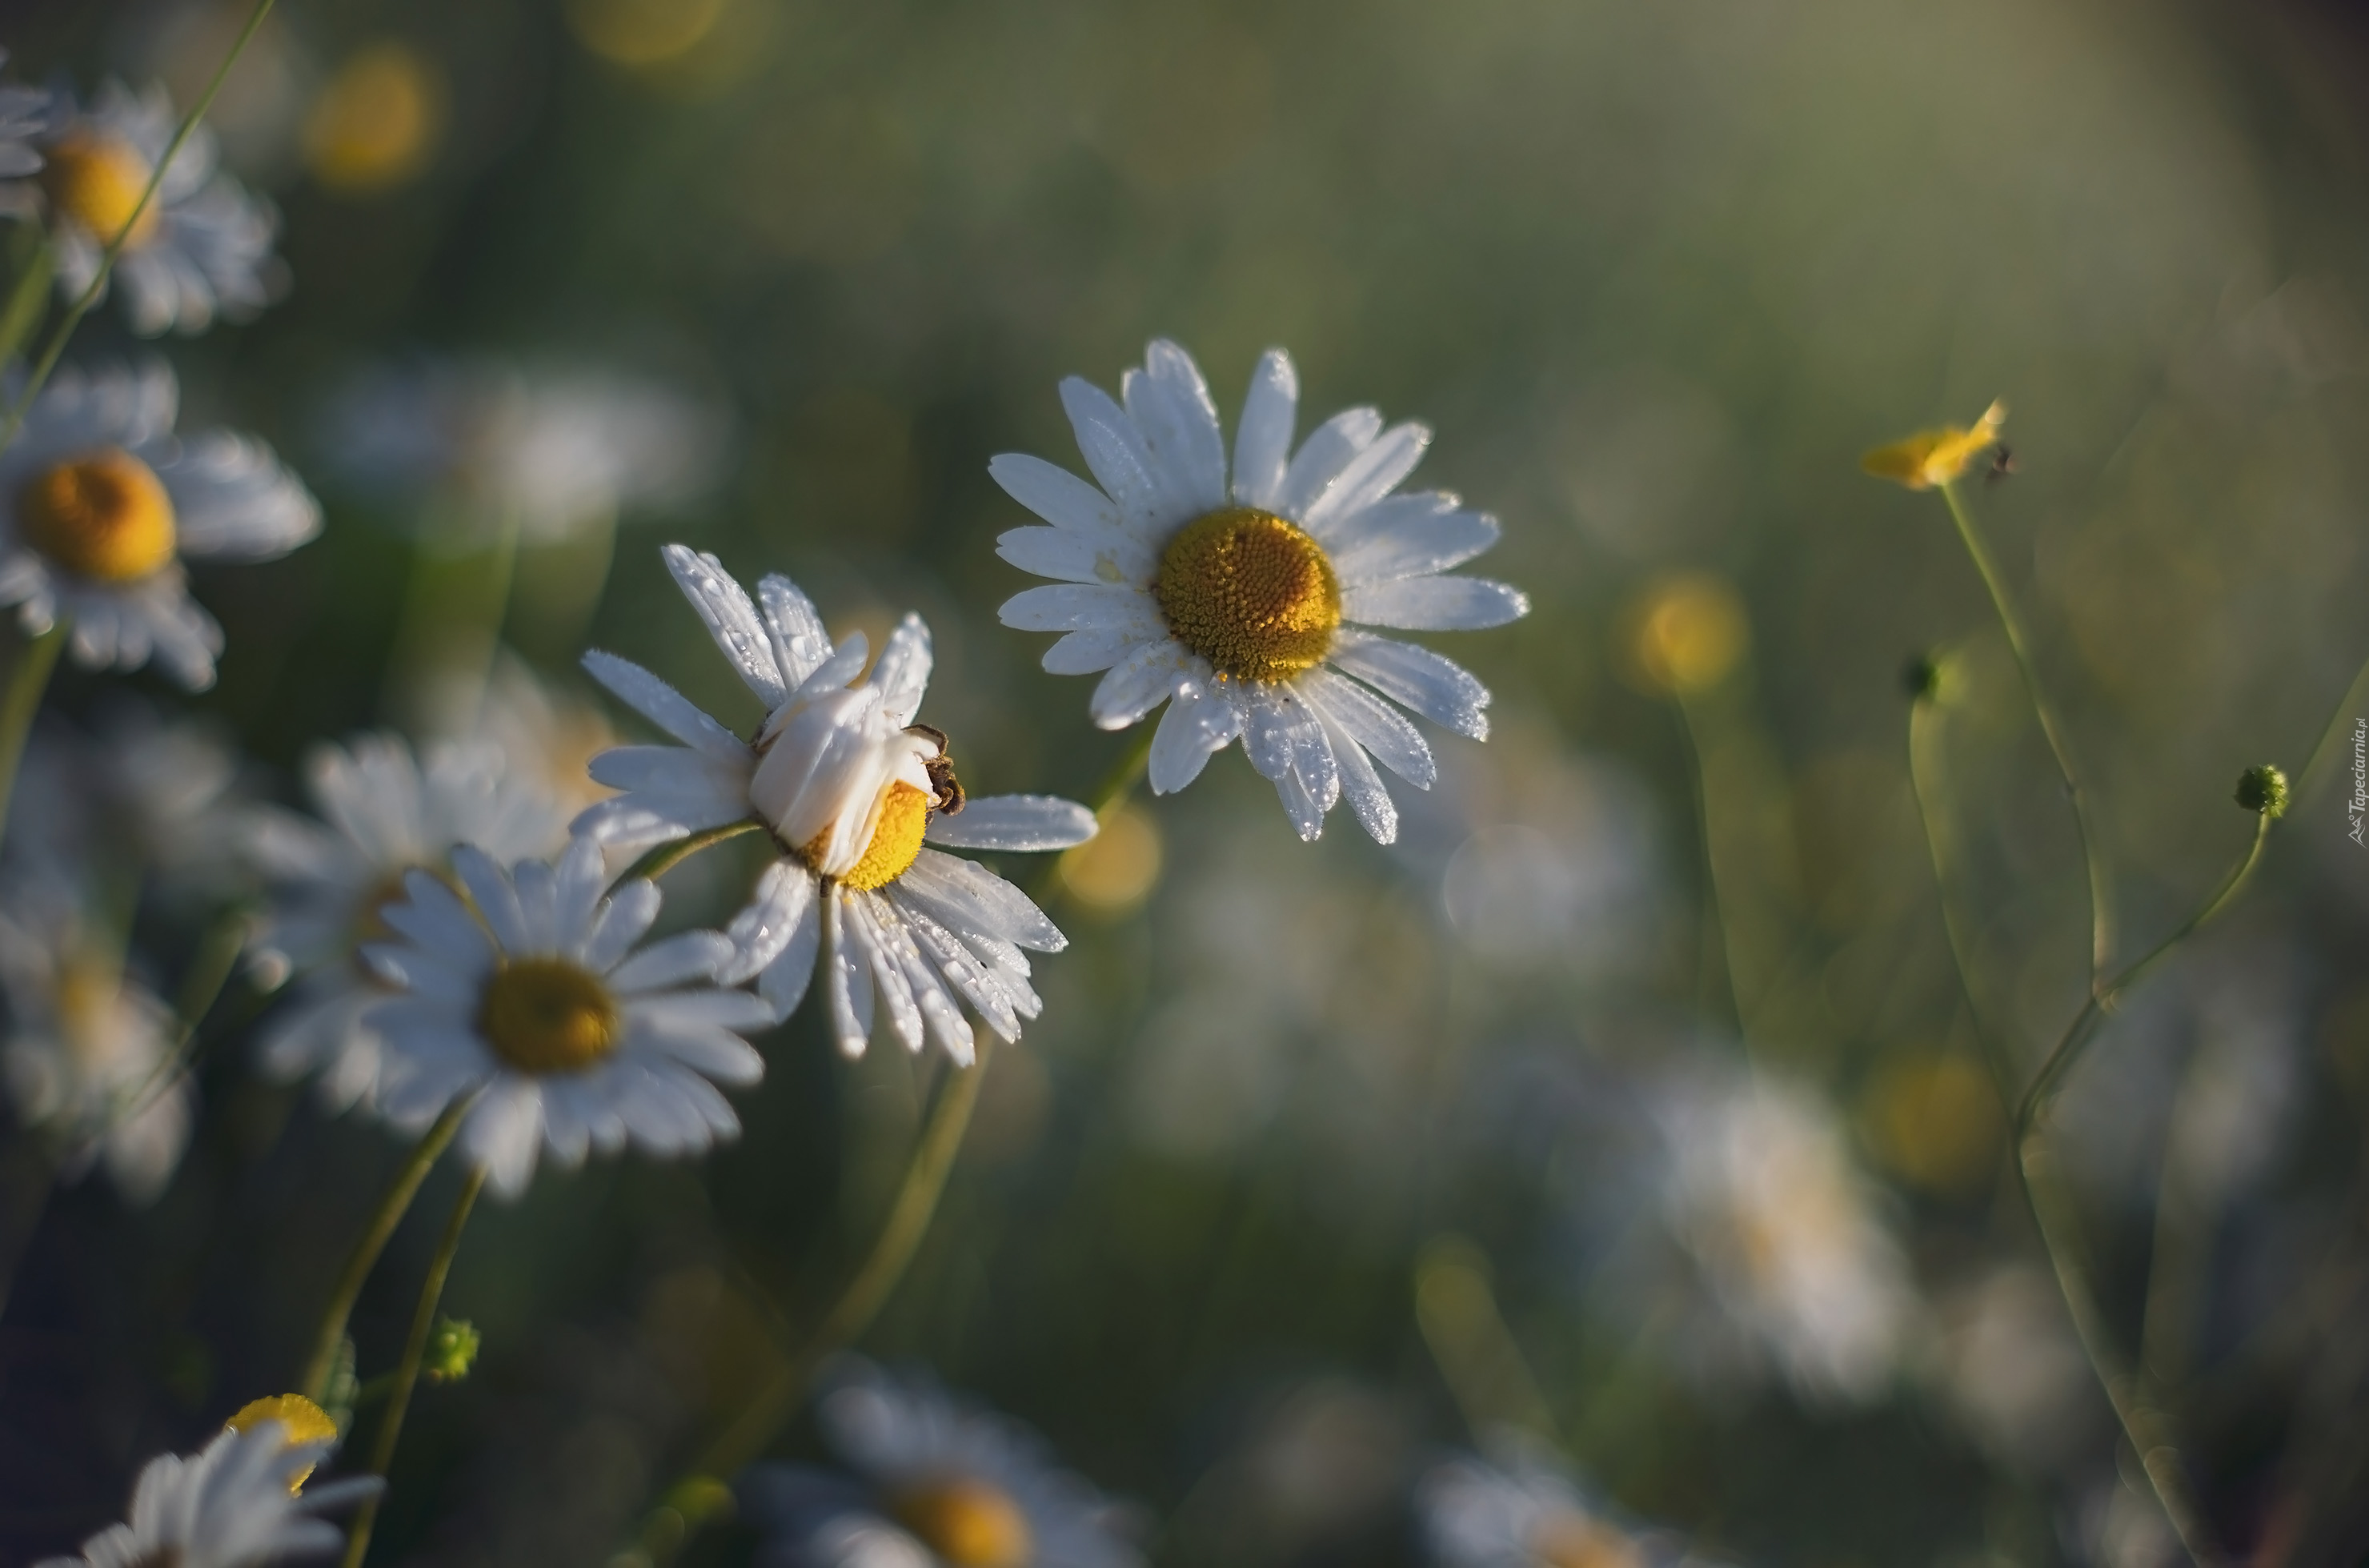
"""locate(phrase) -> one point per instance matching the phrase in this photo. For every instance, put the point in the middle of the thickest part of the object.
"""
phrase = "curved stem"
(2101, 912)
(415, 1350)
(26, 682)
(390, 1208)
(2052, 1214)
(2102, 1000)
(64, 329)
(701, 1493)
(666, 856)
(1718, 940)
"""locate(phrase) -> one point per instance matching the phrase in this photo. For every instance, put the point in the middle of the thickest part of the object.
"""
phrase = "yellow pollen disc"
(1251, 594)
(305, 1421)
(96, 181)
(104, 516)
(545, 1015)
(896, 840)
(967, 1523)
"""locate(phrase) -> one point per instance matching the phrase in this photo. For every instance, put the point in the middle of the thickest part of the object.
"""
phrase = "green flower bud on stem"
(2263, 789)
(451, 1350)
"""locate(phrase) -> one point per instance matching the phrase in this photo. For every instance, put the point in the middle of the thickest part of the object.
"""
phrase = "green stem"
(701, 1493)
(2103, 1000)
(64, 328)
(2052, 1214)
(666, 856)
(26, 682)
(415, 1350)
(1717, 941)
(202, 986)
(391, 1209)
(2101, 912)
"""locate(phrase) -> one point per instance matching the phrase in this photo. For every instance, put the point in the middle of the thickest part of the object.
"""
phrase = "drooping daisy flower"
(558, 451)
(382, 813)
(851, 788)
(941, 1482)
(1760, 1190)
(1244, 606)
(530, 997)
(100, 503)
(1527, 1512)
(202, 245)
(237, 1502)
(88, 1046)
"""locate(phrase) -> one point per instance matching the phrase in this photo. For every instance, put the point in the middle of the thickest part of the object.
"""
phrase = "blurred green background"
(1657, 275)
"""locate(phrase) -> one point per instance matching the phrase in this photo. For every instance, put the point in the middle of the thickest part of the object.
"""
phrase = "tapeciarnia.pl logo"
(2357, 809)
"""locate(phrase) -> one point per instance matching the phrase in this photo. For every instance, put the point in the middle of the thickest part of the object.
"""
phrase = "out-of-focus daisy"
(382, 813)
(1760, 1190)
(530, 997)
(547, 735)
(942, 1483)
(237, 1502)
(559, 450)
(201, 249)
(1243, 607)
(100, 503)
(88, 1046)
(851, 787)
(1528, 1512)
(161, 789)
(23, 115)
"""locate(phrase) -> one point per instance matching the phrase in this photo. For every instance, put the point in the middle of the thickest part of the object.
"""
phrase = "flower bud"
(2263, 789)
(451, 1350)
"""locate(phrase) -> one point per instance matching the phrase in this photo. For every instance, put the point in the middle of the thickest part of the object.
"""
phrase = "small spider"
(942, 782)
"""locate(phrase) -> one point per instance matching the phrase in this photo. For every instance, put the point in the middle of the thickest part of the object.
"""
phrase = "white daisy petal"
(1408, 536)
(638, 821)
(502, 1134)
(783, 903)
(800, 643)
(942, 1014)
(1432, 684)
(895, 990)
(1360, 785)
(903, 673)
(1285, 743)
(783, 982)
(1140, 682)
(686, 955)
(631, 908)
(1198, 723)
(970, 897)
(1374, 472)
(848, 972)
(1178, 420)
(1372, 723)
(1114, 449)
(724, 607)
(1062, 607)
(845, 663)
(1263, 444)
(1328, 449)
(1014, 822)
(664, 706)
(960, 967)
(1054, 494)
(496, 898)
(1434, 604)
(1099, 555)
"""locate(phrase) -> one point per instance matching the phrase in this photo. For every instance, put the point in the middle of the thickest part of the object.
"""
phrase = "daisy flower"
(164, 790)
(382, 812)
(941, 1482)
(1528, 1512)
(563, 452)
(530, 997)
(202, 245)
(852, 791)
(236, 1503)
(100, 503)
(86, 1046)
(1244, 607)
(1760, 1189)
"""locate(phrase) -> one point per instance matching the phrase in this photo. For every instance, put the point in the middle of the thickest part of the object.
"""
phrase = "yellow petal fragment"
(304, 1422)
(1935, 457)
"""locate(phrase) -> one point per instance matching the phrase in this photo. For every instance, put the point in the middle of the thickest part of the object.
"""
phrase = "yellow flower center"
(305, 1421)
(376, 121)
(96, 181)
(1251, 594)
(896, 840)
(104, 516)
(1570, 1540)
(545, 1015)
(966, 1522)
